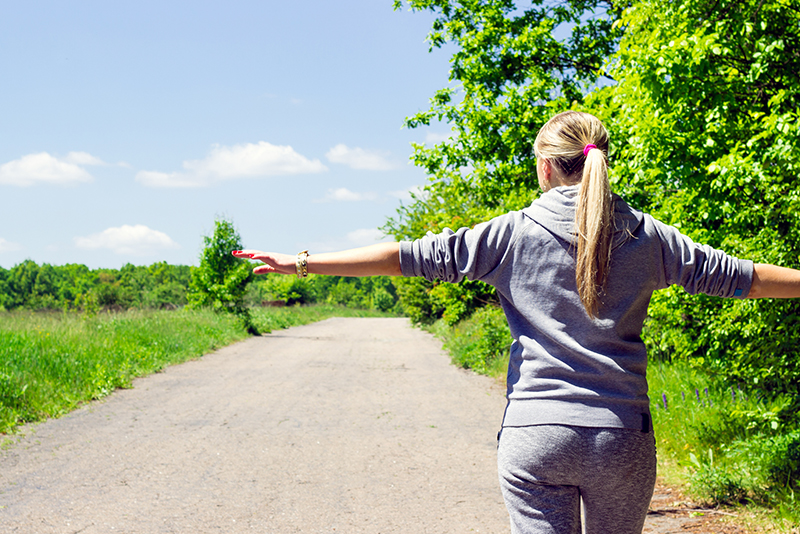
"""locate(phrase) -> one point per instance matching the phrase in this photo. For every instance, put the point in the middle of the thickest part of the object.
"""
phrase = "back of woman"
(574, 273)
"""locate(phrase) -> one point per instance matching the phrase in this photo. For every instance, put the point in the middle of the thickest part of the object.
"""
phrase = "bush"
(717, 483)
(220, 282)
(480, 343)
(382, 300)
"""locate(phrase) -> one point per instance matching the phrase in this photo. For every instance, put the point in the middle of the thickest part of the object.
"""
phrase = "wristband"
(301, 264)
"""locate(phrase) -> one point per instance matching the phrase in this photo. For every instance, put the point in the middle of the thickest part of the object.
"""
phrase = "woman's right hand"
(273, 262)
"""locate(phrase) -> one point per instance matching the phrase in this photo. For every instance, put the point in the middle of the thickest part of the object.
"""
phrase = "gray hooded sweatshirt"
(566, 368)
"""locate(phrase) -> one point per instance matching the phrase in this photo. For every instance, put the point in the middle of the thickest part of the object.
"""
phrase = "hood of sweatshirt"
(555, 211)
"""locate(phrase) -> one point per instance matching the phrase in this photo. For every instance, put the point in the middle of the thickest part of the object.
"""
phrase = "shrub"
(479, 343)
(220, 282)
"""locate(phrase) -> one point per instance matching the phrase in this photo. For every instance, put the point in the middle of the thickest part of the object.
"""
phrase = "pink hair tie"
(587, 148)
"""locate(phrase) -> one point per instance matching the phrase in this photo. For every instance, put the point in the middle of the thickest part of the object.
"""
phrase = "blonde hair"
(562, 141)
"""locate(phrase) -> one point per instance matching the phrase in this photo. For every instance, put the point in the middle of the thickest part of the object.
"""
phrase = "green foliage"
(73, 286)
(510, 73)
(426, 302)
(383, 300)
(371, 292)
(277, 289)
(737, 445)
(701, 99)
(164, 286)
(415, 301)
(480, 343)
(220, 282)
(764, 469)
(707, 100)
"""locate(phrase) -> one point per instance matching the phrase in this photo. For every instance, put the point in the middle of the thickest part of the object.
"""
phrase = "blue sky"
(126, 128)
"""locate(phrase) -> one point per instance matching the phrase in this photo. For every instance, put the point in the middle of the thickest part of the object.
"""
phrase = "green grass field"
(50, 363)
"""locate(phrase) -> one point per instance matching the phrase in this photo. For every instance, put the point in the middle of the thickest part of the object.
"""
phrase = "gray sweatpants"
(547, 470)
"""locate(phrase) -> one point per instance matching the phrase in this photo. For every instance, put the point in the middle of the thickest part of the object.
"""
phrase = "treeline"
(31, 286)
(373, 292)
(75, 286)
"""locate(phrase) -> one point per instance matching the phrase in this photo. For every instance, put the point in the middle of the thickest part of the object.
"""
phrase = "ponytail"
(577, 143)
(593, 224)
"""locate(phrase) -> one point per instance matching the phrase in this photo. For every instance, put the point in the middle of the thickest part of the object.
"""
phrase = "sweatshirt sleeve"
(450, 256)
(701, 268)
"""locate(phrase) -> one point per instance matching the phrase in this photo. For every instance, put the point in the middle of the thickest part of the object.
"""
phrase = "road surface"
(347, 425)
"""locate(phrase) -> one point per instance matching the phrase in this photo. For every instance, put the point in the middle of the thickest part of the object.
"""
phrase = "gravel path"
(347, 425)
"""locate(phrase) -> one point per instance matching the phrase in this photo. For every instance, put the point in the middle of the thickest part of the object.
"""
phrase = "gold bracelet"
(301, 264)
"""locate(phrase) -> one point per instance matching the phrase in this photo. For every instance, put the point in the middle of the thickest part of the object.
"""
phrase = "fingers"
(264, 269)
(246, 253)
(274, 263)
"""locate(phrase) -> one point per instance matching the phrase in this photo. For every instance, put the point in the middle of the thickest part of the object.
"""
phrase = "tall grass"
(732, 446)
(50, 363)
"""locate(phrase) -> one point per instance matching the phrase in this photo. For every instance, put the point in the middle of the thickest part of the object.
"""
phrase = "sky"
(127, 128)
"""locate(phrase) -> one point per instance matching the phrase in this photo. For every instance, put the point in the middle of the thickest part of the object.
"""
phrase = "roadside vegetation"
(724, 444)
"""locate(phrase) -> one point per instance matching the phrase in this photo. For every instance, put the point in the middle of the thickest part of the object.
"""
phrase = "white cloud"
(83, 158)
(138, 240)
(238, 161)
(44, 168)
(358, 158)
(343, 194)
(405, 194)
(8, 246)
(366, 236)
(434, 138)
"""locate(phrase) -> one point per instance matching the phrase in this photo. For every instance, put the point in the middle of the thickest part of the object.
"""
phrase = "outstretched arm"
(771, 281)
(374, 260)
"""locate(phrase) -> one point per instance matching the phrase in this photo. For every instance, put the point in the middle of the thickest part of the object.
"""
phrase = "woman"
(574, 273)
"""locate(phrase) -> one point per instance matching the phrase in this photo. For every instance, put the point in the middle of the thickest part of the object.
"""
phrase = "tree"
(707, 101)
(514, 67)
(220, 282)
(510, 73)
(701, 98)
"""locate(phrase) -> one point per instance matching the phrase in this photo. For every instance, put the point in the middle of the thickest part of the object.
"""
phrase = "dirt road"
(348, 425)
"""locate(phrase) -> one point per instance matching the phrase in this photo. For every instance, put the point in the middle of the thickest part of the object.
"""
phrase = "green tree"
(707, 104)
(515, 65)
(21, 282)
(5, 299)
(701, 98)
(220, 282)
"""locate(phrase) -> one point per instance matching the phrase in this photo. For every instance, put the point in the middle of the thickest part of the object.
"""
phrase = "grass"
(726, 445)
(51, 363)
